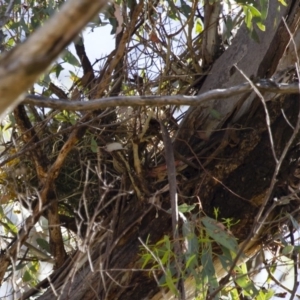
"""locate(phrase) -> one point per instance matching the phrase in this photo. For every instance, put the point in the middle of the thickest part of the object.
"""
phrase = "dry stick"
(171, 170)
(27, 61)
(158, 100)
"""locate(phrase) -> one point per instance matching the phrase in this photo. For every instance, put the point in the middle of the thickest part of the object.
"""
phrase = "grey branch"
(263, 86)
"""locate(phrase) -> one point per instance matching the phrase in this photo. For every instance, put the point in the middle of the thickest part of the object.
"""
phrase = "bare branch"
(262, 86)
(171, 170)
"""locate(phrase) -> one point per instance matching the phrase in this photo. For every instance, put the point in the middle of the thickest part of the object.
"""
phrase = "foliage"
(198, 240)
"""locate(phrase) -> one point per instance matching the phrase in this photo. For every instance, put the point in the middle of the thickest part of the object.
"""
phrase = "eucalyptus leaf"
(71, 59)
(218, 233)
(43, 244)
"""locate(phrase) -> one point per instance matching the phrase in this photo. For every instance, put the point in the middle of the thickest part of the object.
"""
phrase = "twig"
(263, 101)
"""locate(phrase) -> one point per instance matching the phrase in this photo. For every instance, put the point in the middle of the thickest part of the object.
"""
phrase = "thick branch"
(263, 86)
(27, 61)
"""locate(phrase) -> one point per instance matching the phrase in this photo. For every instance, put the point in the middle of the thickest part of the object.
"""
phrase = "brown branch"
(55, 236)
(88, 72)
(57, 91)
(41, 163)
(29, 136)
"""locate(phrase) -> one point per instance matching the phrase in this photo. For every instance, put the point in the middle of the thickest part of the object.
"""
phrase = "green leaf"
(145, 259)
(261, 26)
(273, 268)
(234, 294)
(264, 4)
(186, 9)
(209, 271)
(167, 242)
(57, 69)
(254, 36)
(166, 258)
(94, 146)
(43, 244)
(1, 212)
(265, 295)
(73, 118)
(287, 249)
(217, 232)
(191, 239)
(226, 258)
(13, 228)
(170, 282)
(186, 208)
(35, 266)
(113, 22)
(243, 281)
(71, 59)
(24, 26)
(61, 117)
(192, 259)
(13, 25)
(20, 266)
(282, 2)
(198, 26)
(248, 17)
(215, 114)
(27, 276)
(229, 26)
(294, 222)
(45, 80)
(254, 11)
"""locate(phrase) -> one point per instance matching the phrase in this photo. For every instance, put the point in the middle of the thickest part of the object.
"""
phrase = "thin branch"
(263, 101)
(171, 170)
